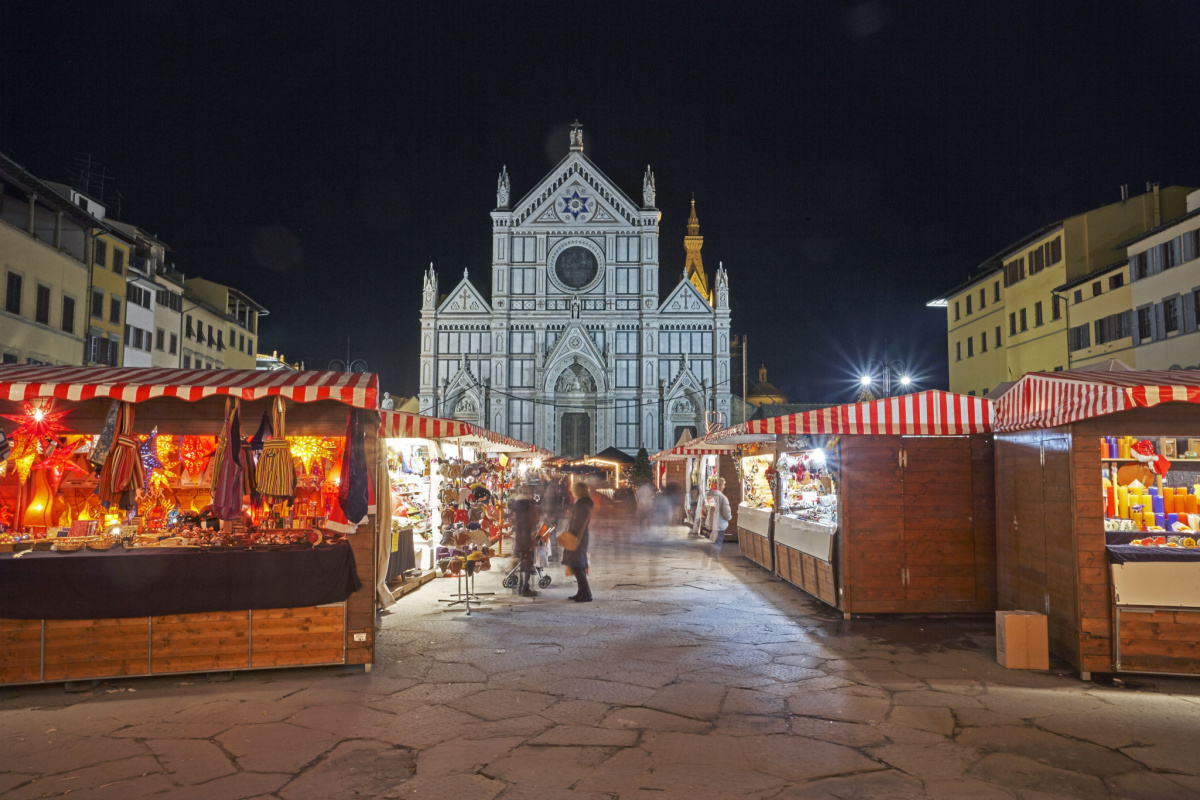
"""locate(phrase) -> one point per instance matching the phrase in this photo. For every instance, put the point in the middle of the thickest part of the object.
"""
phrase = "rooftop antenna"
(87, 173)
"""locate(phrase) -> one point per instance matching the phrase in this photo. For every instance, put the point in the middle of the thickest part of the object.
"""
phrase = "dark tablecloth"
(150, 581)
(1125, 553)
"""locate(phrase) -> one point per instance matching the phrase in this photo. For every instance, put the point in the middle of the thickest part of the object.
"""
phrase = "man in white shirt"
(721, 510)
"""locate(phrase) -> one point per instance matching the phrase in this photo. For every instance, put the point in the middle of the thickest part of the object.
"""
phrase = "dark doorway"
(576, 435)
(679, 431)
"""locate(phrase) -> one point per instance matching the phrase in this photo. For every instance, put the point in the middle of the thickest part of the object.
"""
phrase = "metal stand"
(465, 598)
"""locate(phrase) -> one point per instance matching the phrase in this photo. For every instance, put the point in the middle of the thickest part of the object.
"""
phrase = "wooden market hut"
(916, 523)
(1053, 552)
(70, 644)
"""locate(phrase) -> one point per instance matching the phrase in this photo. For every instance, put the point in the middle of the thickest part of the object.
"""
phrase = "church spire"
(693, 267)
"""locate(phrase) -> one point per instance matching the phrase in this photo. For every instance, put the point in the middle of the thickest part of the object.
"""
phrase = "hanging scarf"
(276, 470)
(122, 472)
(354, 491)
(229, 476)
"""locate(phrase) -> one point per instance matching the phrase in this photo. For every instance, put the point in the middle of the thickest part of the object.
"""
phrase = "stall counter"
(812, 538)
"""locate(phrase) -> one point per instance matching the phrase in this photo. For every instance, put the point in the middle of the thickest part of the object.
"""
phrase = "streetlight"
(895, 366)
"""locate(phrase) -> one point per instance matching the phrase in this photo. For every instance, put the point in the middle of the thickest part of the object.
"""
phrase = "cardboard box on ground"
(1022, 641)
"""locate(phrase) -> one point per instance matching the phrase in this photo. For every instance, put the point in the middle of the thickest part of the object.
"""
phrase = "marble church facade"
(575, 350)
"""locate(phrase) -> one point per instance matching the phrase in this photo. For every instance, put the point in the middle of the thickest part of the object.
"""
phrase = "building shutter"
(1189, 312)
(1160, 322)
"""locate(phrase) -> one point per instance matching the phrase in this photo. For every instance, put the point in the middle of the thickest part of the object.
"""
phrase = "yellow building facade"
(1099, 320)
(220, 326)
(44, 243)
(976, 336)
(1029, 287)
(106, 304)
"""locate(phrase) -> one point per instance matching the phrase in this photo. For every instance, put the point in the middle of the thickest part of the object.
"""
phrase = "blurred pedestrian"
(720, 512)
(575, 558)
(525, 519)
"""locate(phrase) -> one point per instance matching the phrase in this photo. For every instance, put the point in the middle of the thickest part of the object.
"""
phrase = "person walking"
(525, 518)
(576, 558)
(722, 512)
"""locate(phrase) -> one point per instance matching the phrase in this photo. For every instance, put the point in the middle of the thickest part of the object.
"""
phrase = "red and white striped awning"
(398, 425)
(1049, 399)
(134, 385)
(929, 413)
(692, 451)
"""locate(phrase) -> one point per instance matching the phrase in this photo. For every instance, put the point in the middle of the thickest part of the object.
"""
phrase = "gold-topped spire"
(694, 266)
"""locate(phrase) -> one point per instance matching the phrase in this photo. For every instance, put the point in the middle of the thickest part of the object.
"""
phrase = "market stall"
(146, 533)
(1097, 482)
(414, 445)
(449, 483)
(879, 507)
(701, 464)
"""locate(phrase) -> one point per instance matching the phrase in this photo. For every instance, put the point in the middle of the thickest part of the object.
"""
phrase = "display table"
(161, 581)
(813, 538)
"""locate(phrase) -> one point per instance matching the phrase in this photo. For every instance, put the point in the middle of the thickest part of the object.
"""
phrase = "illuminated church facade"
(575, 350)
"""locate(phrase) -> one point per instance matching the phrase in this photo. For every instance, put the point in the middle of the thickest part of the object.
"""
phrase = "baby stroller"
(541, 541)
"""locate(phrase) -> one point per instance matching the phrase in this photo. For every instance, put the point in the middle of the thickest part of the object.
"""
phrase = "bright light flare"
(865, 380)
(905, 380)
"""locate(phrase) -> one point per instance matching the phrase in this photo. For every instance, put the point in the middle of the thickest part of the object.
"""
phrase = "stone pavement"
(691, 676)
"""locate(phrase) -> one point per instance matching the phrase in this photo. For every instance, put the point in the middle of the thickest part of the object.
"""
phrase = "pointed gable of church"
(576, 191)
(685, 299)
(464, 299)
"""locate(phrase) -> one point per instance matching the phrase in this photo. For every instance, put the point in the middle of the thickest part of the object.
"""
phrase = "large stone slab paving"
(735, 686)
(1048, 748)
(191, 760)
(275, 746)
(1027, 775)
(352, 769)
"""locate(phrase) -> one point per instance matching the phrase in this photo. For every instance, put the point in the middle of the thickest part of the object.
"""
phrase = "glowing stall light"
(194, 452)
(309, 448)
(38, 422)
(818, 456)
(148, 451)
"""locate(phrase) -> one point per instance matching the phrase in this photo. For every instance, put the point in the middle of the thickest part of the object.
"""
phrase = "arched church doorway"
(576, 434)
(575, 396)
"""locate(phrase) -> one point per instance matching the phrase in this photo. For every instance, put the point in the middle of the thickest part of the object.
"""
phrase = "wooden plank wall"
(96, 648)
(292, 636)
(755, 547)
(200, 642)
(1161, 641)
(983, 519)
(807, 573)
(872, 534)
(20, 650)
(939, 538)
(360, 606)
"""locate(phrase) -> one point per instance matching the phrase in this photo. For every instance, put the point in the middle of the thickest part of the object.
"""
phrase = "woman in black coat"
(577, 559)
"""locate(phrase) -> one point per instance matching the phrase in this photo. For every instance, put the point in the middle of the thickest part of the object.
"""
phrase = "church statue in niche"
(581, 334)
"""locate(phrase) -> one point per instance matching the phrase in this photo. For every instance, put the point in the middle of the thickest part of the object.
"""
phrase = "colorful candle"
(1123, 502)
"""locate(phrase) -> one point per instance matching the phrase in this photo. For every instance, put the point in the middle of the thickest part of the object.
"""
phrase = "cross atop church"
(576, 135)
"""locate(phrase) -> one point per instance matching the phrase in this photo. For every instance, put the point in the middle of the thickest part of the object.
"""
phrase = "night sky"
(850, 161)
